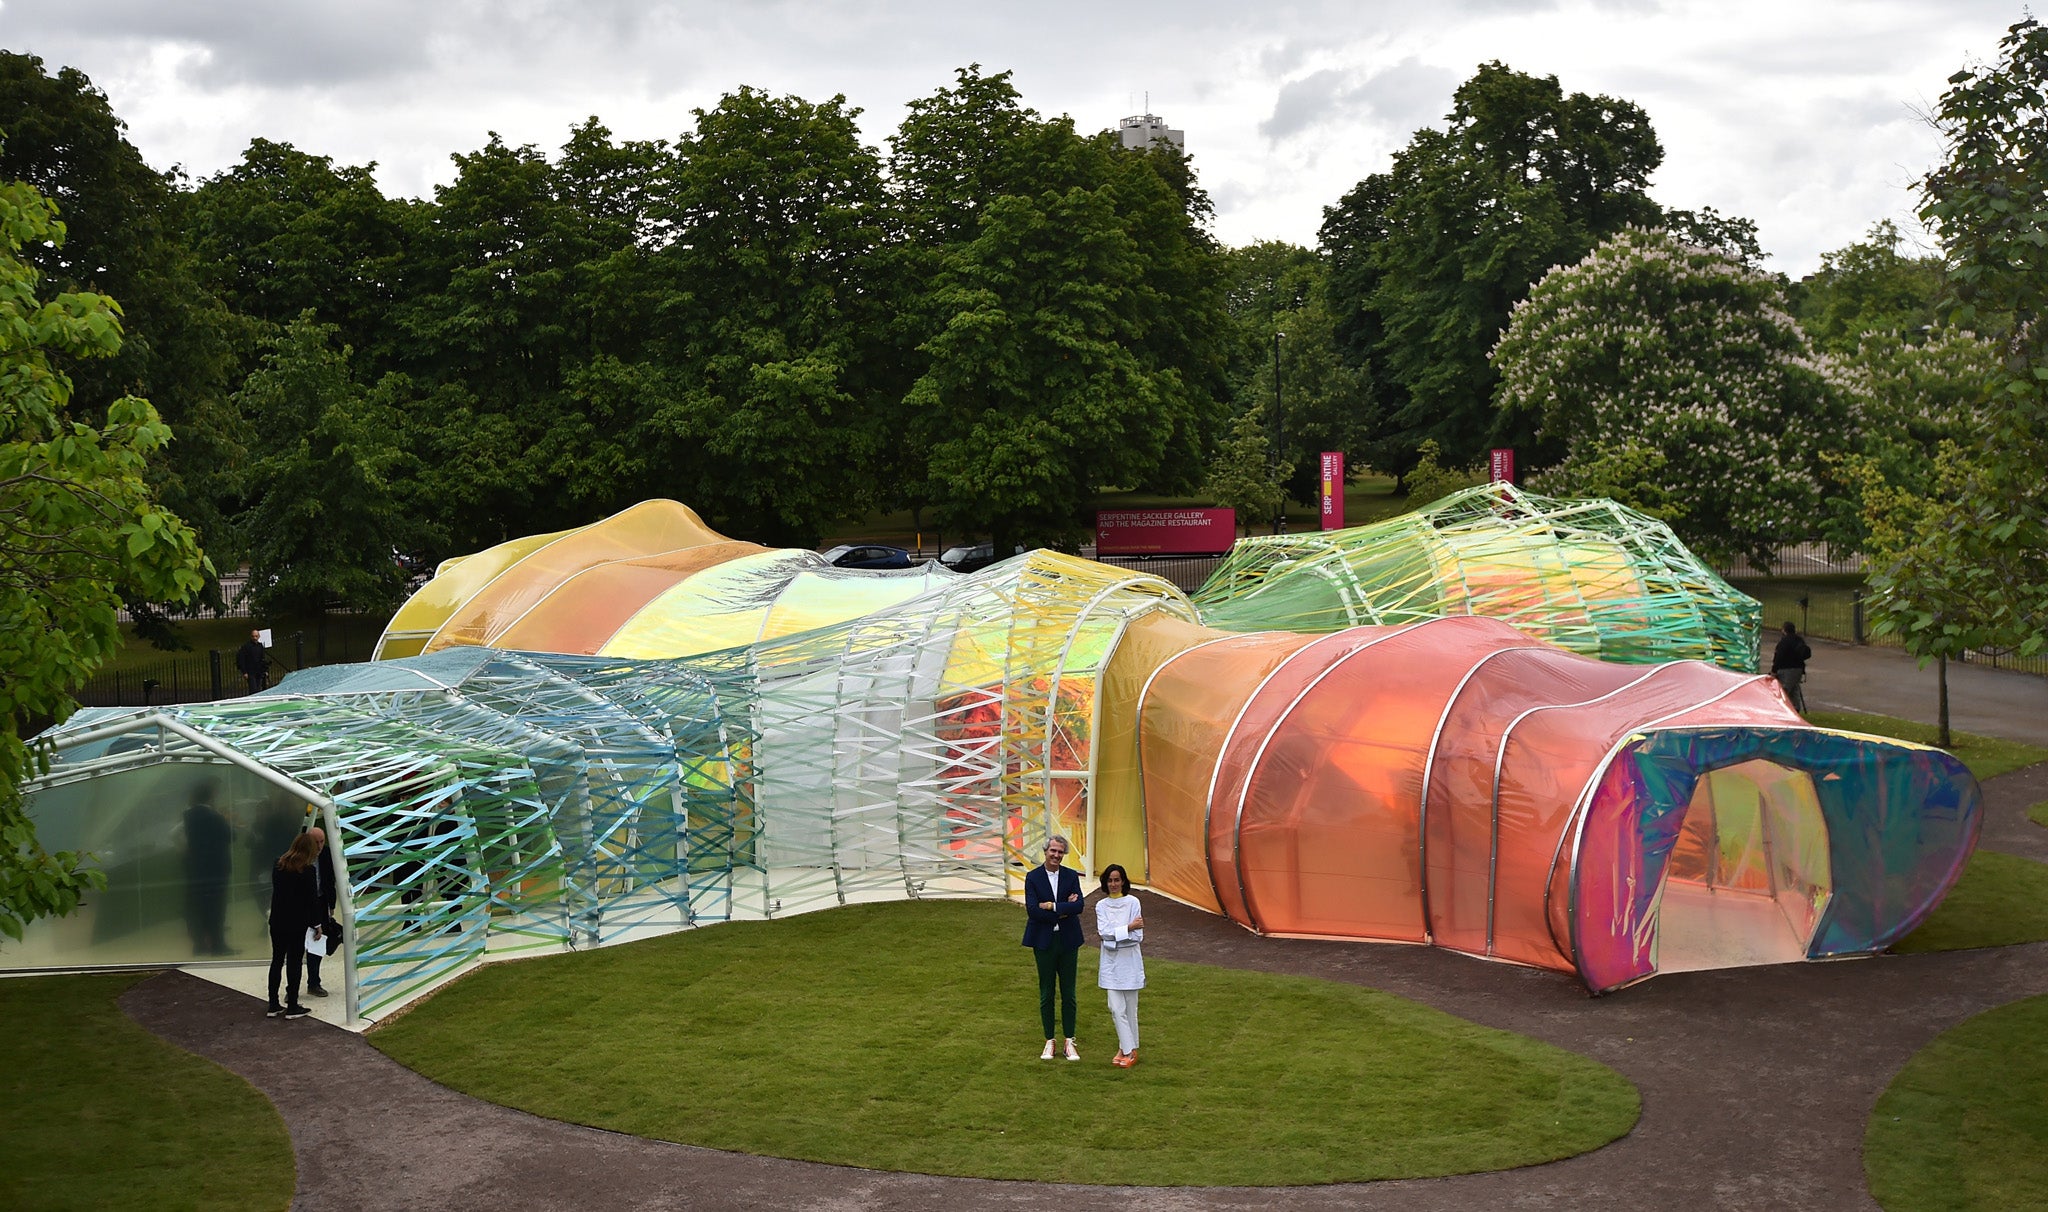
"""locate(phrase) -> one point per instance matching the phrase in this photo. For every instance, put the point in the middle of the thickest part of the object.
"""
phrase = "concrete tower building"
(1140, 131)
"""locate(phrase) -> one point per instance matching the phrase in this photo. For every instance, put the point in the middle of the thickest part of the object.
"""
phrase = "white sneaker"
(1047, 1054)
(1072, 1054)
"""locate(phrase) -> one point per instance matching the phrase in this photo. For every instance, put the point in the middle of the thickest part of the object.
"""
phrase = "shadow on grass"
(905, 1037)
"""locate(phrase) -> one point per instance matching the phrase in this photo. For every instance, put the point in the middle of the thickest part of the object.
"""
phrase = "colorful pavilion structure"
(721, 731)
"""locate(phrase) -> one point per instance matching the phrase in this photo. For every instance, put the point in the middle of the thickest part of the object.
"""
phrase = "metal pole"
(213, 659)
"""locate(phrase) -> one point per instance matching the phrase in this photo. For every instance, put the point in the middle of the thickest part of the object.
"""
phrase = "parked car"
(868, 555)
(971, 559)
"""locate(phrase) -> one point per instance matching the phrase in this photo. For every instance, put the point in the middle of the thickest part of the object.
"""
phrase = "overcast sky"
(1805, 115)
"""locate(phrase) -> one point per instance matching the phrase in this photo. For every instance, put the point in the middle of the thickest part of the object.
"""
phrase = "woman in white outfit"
(1121, 929)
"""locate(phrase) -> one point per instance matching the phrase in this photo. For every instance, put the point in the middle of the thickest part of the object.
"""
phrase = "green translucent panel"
(1588, 575)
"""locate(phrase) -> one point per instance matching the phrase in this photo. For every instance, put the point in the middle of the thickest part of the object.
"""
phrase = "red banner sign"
(1503, 465)
(1333, 490)
(1127, 532)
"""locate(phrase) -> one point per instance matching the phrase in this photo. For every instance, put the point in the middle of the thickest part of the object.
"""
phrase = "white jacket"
(1123, 962)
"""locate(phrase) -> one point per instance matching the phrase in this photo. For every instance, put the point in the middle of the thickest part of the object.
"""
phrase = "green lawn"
(905, 1037)
(98, 1114)
(2039, 814)
(1965, 1124)
(2000, 900)
(1987, 757)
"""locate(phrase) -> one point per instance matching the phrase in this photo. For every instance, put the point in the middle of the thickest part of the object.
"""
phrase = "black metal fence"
(1842, 613)
(1186, 572)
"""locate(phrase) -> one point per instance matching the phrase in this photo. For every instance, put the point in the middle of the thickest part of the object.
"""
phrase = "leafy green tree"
(63, 139)
(329, 509)
(1279, 289)
(1035, 398)
(1964, 565)
(1428, 482)
(79, 527)
(771, 385)
(1243, 477)
(957, 156)
(285, 232)
(1869, 287)
(1428, 258)
(1688, 360)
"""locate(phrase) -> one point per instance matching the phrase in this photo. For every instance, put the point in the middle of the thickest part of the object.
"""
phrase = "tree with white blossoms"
(1675, 376)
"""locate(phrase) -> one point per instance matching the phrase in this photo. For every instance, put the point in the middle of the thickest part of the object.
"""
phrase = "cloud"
(1402, 97)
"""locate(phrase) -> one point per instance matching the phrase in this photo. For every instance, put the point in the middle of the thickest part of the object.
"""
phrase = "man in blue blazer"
(1052, 929)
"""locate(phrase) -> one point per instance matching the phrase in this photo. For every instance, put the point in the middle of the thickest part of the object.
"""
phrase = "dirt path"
(1756, 1084)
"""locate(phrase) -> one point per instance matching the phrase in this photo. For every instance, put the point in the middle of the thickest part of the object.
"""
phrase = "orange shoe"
(1124, 1060)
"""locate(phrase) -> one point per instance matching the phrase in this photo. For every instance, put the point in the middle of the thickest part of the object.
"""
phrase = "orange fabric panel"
(1463, 857)
(1243, 749)
(650, 526)
(588, 608)
(1329, 842)
(1183, 719)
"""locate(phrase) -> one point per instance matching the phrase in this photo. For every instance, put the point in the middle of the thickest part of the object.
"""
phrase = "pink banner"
(1503, 464)
(1333, 490)
(1127, 532)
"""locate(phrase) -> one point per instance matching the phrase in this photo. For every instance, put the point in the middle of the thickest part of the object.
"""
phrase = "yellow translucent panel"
(1149, 642)
(454, 583)
(647, 528)
(720, 607)
(583, 613)
(820, 598)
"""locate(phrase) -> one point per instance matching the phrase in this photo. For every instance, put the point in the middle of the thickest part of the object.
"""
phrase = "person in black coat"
(1788, 665)
(294, 908)
(329, 896)
(1052, 929)
(253, 661)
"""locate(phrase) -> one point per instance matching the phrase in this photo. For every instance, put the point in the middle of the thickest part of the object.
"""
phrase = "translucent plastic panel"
(455, 583)
(1330, 841)
(1190, 708)
(1485, 837)
(718, 608)
(647, 528)
(1147, 643)
(821, 597)
(581, 614)
(187, 850)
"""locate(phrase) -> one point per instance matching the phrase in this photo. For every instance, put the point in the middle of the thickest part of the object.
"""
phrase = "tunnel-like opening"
(1748, 877)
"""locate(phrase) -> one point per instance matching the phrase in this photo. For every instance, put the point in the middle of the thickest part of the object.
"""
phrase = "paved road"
(1988, 702)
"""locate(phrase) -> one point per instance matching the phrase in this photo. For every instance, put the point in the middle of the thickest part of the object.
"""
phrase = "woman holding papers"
(1121, 928)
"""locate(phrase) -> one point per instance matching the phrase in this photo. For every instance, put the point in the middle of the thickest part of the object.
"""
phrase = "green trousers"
(1056, 964)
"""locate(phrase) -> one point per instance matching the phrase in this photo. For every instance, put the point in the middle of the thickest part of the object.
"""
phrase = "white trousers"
(1123, 1011)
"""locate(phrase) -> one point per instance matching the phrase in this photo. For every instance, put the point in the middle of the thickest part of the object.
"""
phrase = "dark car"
(868, 555)
(971, 559)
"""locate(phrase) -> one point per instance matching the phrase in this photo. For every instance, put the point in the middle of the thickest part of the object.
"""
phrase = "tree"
(1686, 362)
(959, 156)
(63, 139)
(1243, 477)
(1276, 288)
(1428, 258)
(79, 527)
(1035, 398)
(1428, 482)
(773, 386)
(328, 512)
(1964, 565)
(1869, 287)
(285, 232)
